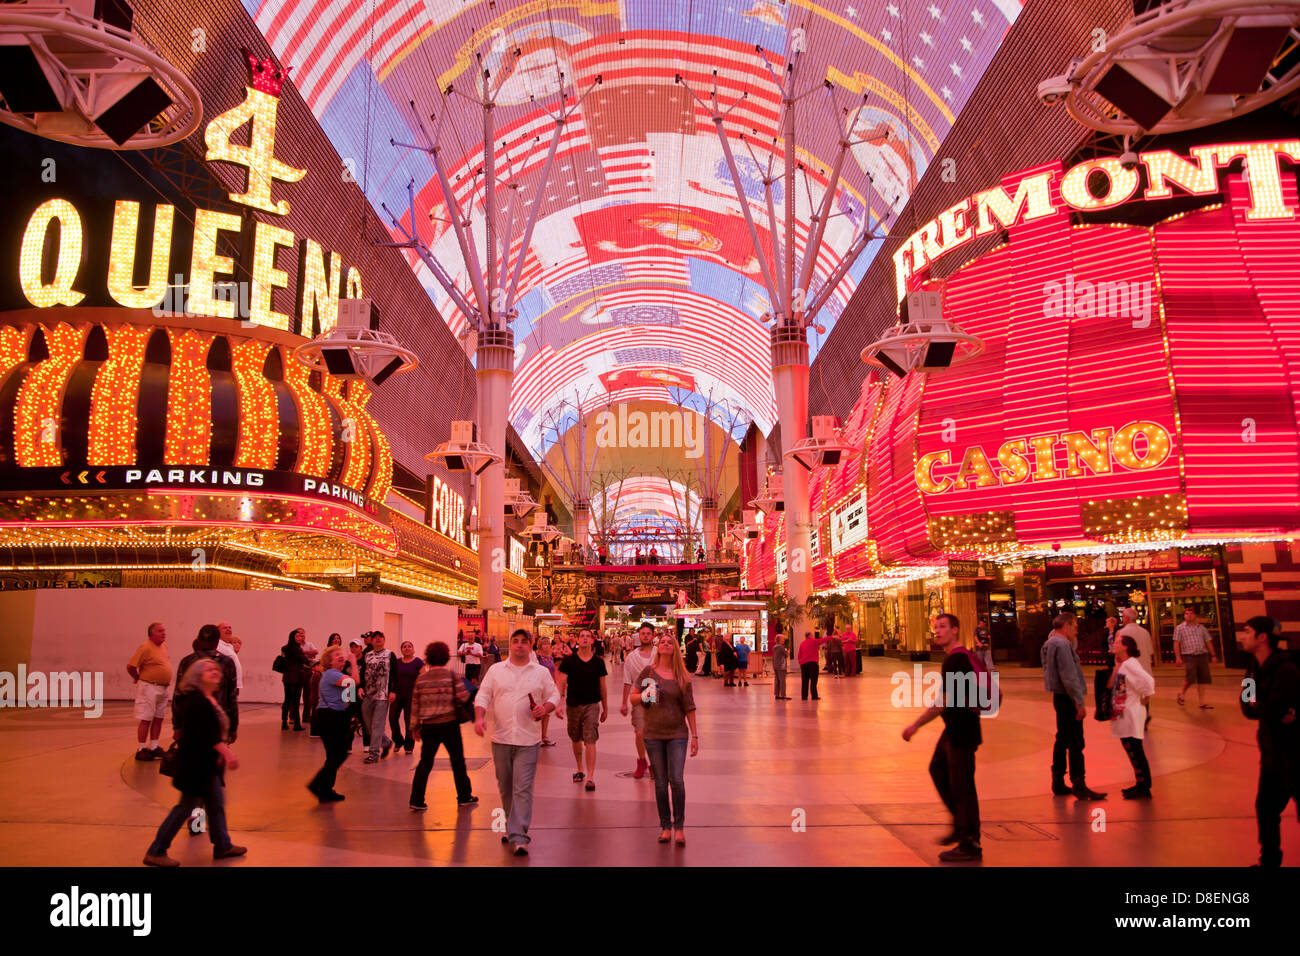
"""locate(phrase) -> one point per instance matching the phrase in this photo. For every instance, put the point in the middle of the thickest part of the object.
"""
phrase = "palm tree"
(786, 611)
(829, 609)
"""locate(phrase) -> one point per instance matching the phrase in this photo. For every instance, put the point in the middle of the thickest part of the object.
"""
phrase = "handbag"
(279, 665)
(462, 709)
(1105, 697)
(169, 764)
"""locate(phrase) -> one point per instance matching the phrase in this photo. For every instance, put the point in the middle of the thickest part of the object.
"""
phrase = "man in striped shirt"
(1194, 649)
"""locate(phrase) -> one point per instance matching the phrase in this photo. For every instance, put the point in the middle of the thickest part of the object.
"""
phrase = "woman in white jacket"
(1131, 685)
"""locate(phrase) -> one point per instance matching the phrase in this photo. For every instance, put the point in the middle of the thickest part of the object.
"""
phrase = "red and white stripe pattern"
(657, 57)
(323, 42)
(716, 340)
(628, 168)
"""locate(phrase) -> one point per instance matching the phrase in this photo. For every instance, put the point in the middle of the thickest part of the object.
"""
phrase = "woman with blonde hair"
(668, 700)
(202, 758)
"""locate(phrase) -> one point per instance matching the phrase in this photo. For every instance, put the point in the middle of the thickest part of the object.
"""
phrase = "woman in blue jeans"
(203, 757)
(664, 691)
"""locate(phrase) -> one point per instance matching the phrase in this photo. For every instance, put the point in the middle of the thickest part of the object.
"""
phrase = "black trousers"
(1137, 756)
(395, 710)
(446, 735)
(1278, 785)
(472, 671)
(1069, 741)
(952, 768)
(807, 675)
(291, 708)
(335, 732)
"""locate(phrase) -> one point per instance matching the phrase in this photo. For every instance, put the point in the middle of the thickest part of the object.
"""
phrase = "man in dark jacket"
(1270, 693)
(205, 645)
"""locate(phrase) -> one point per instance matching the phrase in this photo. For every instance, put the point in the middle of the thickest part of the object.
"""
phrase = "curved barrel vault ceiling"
(640, 282)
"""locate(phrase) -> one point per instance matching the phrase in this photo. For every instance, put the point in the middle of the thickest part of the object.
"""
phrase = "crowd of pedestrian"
(394, 701)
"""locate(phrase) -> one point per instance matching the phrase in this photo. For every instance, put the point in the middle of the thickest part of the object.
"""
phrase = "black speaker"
(456, 463)
(780, 506)
(133, 111)
(831, 456)
(382, 375)
(23, 83)
(939, 354)
(1137, 100)
(883, 358)
(338, 361)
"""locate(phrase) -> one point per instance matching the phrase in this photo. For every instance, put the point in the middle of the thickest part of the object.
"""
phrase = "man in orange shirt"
(151, 670)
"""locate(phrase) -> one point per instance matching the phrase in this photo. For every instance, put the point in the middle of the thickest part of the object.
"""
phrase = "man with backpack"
(952, 768)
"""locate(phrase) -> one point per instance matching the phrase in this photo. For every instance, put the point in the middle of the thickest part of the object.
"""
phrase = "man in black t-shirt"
(952, 768)
(580, 677)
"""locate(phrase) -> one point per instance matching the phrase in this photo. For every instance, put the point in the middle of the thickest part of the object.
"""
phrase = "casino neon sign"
(319, 286)
(994, 209)
(1137, 446)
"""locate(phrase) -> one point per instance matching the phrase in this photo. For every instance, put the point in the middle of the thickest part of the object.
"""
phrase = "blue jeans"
(215, 802)
(516, 766)
(668, 760)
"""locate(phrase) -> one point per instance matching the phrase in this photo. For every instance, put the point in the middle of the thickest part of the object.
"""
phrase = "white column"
(709, 517)
(495, 358)
(581, 524)
(790, 379)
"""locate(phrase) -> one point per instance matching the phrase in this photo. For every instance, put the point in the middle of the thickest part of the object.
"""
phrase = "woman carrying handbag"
(201, 760)
(439, 705)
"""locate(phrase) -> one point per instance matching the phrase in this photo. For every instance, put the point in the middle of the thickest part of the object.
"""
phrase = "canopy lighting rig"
(463, 452)
(772, 498)
(923, 339)
(1184, 64)
(75, 71)
(541, 529)
(355, 348)
(823, 447)
(519, 503)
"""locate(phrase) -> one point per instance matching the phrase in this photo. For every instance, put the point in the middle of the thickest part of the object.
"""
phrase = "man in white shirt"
(472, 653)
(519, 693)
(637, 661)
(225, 645)
(1146, 649)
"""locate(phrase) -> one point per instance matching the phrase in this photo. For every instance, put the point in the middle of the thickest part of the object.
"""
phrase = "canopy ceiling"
(640, 282)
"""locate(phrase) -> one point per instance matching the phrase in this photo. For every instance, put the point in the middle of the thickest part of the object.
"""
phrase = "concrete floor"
(70, 794)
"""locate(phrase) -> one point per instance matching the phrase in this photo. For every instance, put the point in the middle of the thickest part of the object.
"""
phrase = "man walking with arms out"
(1063, 679)
(518, 693)
(807, 654)
(151, 670)
(580, 679)
(1194, 649)
(952, 768)
(637, 661)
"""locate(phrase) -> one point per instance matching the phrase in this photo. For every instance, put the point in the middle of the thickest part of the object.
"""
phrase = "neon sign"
(318, 287)
(993, 209)
(1099, 451)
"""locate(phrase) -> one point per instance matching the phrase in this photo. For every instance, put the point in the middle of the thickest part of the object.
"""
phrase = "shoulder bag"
(463, 710)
